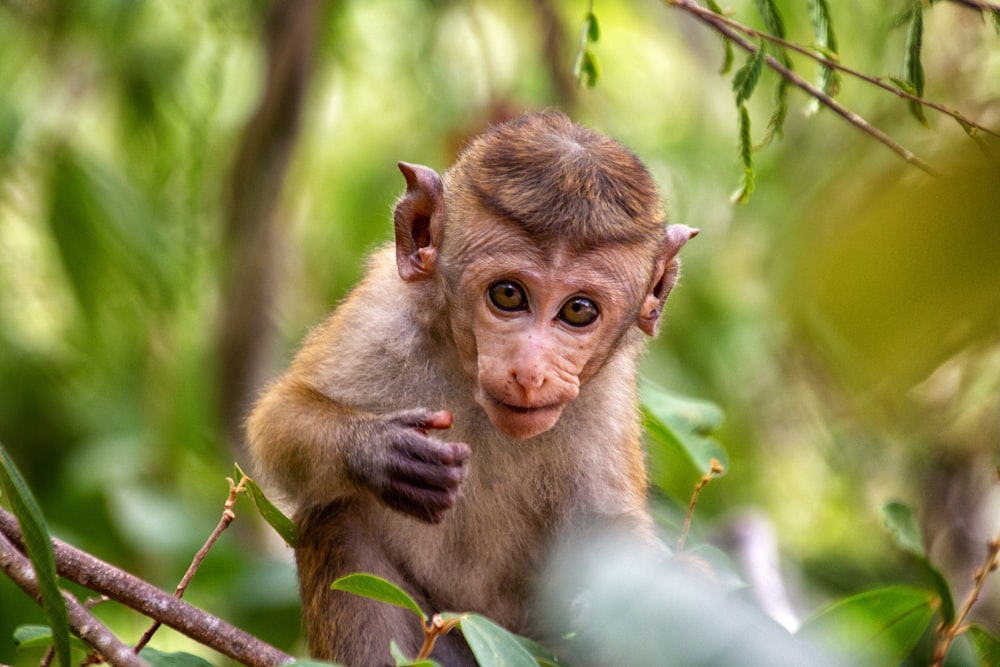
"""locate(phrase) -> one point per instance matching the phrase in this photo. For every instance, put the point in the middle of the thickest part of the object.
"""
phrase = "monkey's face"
(533, 326)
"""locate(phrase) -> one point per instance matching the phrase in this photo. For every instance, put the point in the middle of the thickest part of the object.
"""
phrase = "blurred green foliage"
(846, 319)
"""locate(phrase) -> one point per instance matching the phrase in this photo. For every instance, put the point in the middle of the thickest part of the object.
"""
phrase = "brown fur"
(341, 431)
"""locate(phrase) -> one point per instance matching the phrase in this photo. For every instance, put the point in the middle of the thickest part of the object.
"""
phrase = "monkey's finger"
(422, 419)
(428, 505)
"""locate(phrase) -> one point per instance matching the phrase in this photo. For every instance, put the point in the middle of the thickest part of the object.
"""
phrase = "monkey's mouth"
(527, 410)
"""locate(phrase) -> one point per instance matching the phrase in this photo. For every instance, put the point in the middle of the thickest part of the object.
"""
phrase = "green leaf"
(275, 518)
(727, 45)
(588, 71)
(38, 545)
(906, 531)
(682, 425)
(913, 68)
(746, 156)
(986, 646)
(492, 645)
(775, 25)
(40, 636)
(746, 77)
(776, 123)
(593, 29)
(876, 628)
(178, 659)
(826, 45)
(376, 588)
(401, 660)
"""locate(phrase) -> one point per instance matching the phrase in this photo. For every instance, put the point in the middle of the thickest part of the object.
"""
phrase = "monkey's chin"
(523, 423)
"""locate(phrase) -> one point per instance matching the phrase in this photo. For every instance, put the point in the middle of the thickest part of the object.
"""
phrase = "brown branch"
(131, 591)
(715, 21)
(17, 566)
(867, 78)
(981, 5)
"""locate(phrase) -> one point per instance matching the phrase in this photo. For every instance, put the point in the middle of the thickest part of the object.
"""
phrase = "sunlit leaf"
(681, 425)
(492, 645)
(875, 628)
(903, 525)
(38, 545)
(275, 518)
(377, 588)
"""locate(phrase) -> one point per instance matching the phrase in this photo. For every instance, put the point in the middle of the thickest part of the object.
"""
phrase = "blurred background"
(187, 187)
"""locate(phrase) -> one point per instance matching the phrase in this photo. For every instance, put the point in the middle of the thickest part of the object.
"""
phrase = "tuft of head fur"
(562, 183)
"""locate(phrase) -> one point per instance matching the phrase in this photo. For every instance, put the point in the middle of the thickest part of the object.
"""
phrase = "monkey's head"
(549, 244)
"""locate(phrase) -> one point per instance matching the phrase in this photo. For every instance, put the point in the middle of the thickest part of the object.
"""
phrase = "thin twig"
(131, 591)
(227, 518)
(867, 78)
(947, 633)
(17, 566)
(715, 21)
(714, 468)
(981, 5)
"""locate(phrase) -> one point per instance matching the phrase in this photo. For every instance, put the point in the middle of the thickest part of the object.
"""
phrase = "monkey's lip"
(526, 409)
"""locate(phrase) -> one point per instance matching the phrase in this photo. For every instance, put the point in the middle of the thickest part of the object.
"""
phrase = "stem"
(227, 518)
(946, 634)
(720, 25)
(714, 468)
(432, 630)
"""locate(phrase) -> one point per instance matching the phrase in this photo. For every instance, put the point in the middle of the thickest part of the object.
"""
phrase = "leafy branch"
(771, 48)
(130, 591)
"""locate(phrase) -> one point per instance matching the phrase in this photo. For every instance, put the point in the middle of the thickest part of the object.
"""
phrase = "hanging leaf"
(727, 45)
(746, 78)
(746, 156)
(826, 45)
(38, 545)
(377, 588)
(585, 67)
(874, 628)
(913, 68)
(776, 123)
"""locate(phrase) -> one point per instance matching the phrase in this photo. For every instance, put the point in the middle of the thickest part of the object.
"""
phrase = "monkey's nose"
(530, 379)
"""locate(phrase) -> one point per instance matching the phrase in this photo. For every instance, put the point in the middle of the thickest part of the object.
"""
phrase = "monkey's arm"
(317, 450)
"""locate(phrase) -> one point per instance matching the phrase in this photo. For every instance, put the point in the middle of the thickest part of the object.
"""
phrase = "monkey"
(473, 399)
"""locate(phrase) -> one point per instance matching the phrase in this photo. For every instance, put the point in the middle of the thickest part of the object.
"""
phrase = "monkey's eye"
(579, 312)
(508, 296)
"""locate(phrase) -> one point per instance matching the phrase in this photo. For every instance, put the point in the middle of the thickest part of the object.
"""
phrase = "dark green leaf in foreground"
(875, 628)
(377, 588)
(492, 645)
(913, 66)
(40, 636)
(275, 518)
(38, 545)
(986, 646)
(179, 659)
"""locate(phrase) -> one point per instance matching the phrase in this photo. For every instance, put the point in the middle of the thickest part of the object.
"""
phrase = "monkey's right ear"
(417, 220)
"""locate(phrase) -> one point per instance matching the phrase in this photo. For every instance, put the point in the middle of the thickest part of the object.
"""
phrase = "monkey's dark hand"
(417, 474)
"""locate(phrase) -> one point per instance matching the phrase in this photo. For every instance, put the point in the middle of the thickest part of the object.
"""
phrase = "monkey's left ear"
(664, 276)
(418, 229)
